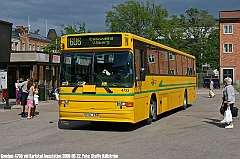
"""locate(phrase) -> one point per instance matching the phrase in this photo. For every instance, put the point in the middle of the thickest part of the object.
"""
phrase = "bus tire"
(184, 107)
(152, 113)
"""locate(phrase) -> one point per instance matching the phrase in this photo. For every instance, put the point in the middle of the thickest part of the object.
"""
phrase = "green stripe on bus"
(130, 94)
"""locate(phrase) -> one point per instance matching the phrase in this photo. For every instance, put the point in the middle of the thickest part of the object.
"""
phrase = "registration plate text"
(91, 114)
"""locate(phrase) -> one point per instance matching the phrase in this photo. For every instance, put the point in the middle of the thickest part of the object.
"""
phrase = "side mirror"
(142, 74)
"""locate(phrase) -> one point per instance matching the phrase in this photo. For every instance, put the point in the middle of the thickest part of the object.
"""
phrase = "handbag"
(235, 112)
(222, 110)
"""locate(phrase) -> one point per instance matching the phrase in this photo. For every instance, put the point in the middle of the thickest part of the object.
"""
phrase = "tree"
(138, 18)
(172, 33)
(66, 29)
(212, 56)
(54, 46)
(75, 29)
(199, 25)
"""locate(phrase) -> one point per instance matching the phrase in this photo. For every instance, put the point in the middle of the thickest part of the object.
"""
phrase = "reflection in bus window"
(95, 68)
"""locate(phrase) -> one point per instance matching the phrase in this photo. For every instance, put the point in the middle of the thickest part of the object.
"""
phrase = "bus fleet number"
(125, 90)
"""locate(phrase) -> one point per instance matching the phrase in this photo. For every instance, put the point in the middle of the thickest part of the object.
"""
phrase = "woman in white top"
(229, 98)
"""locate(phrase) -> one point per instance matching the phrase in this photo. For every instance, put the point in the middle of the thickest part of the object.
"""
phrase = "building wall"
(230, 61)
(30, 44)
(30, 61)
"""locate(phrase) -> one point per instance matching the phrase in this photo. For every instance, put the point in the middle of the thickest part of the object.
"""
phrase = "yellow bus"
(121, 77)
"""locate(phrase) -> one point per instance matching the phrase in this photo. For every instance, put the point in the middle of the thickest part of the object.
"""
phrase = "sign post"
(4, 87)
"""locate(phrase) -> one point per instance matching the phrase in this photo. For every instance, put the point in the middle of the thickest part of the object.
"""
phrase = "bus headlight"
(64, 101)
(121, 103)
(127, 104)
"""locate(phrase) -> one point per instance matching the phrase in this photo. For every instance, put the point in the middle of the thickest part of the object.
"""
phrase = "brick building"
(28, 61)
(229, 24)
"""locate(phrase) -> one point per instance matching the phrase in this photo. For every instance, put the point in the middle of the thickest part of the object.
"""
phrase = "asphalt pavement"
(12, 114)
(7, 115)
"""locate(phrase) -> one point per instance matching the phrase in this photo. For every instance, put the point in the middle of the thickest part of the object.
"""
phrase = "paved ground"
(194, 133)
(8, 115)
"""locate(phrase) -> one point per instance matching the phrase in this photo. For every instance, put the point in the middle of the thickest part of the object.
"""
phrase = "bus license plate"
(91, 114)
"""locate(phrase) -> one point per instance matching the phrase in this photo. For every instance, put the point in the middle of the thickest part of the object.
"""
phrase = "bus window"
(153, 60)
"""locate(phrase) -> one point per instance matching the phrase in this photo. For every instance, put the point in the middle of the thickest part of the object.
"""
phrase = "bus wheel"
(152, 113)
(184, 107)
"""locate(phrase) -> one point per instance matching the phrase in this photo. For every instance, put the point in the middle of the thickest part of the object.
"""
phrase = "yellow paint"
(169, 91)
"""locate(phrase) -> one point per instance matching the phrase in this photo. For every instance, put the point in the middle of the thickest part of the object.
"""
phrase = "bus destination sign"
(94, 41)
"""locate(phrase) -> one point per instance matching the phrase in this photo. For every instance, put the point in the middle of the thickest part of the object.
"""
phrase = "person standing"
(230, 100)
(16, 92)
(224, 94)
(56, 93)
(35, 102)
(224, 102)
(30, 98)
(23, 86)
(211, 94)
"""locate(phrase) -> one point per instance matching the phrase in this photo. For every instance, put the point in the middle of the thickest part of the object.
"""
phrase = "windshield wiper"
(77, 85)
(105, 85)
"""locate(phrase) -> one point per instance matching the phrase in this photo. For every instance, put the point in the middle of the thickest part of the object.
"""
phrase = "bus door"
(140, 105)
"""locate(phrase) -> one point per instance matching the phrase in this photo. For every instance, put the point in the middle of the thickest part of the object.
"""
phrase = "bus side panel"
(191, 94)
(140, 108)
(176, 99)
(163, 103)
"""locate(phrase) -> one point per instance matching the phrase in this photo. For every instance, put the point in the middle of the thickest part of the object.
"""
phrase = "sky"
(50, 14)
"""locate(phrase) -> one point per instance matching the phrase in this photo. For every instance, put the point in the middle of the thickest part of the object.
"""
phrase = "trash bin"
(215, 79)
(41, 92)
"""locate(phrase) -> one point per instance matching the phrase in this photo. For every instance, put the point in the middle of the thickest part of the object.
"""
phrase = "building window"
(16, 46)
(171, 56)
(228, 29)
(151, 58)
(171, 72)
(189, 71)
(23, 46)
(228, 48)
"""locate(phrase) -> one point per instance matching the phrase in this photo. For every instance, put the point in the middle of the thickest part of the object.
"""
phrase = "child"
(30, 98)
(35, 98)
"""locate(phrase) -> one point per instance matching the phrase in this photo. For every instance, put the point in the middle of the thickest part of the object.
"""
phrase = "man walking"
(23, 86)
(211, 94)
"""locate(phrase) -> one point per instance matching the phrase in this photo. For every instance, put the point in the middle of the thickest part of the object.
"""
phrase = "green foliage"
(137, 17)
(66, 29)
(75, 29)
(194, 32)
(212, 56)
(200, 33)
(172, 33)
(54, 46)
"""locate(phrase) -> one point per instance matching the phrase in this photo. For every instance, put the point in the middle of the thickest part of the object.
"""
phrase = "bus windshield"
(113, 69)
